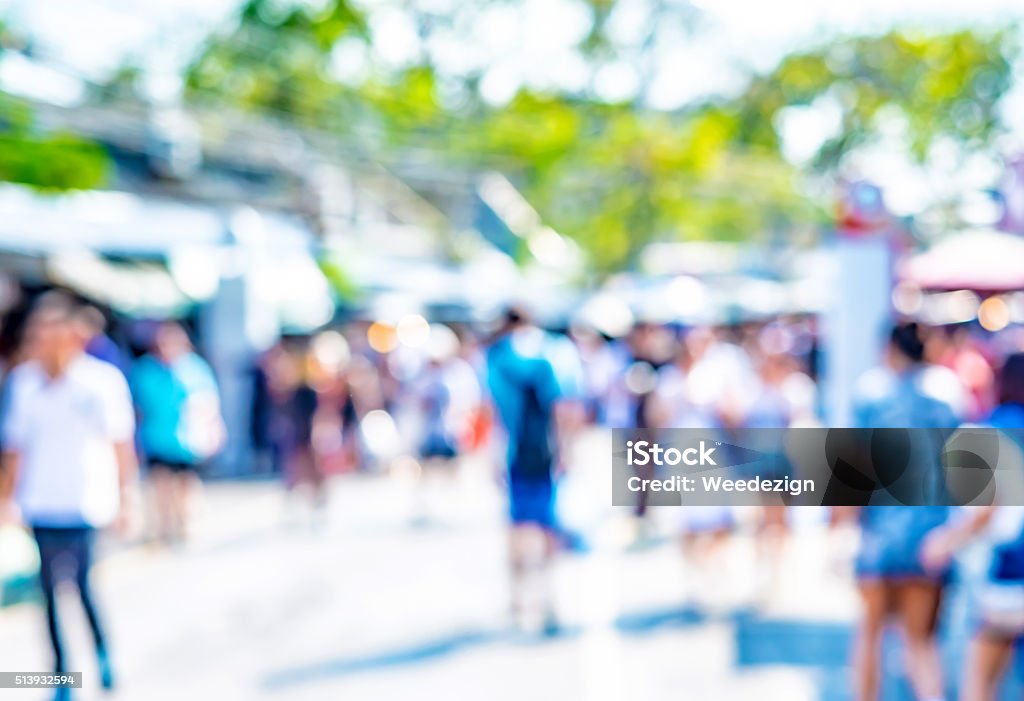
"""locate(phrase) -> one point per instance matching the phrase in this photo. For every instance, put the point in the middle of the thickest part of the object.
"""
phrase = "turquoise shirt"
(161, 394)
(530, 357)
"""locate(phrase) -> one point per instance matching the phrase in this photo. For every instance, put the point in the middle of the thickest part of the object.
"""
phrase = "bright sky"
(530, 44)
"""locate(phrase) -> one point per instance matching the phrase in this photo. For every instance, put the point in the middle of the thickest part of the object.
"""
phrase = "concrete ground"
(375, 604)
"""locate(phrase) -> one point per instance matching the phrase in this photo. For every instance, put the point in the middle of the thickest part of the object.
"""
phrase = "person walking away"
(68, 460)
(294, 408)
(527, 393)
(446, 395)
(180, 425)
(906, 393)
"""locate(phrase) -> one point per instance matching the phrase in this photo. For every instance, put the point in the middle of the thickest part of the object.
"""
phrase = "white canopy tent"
(167, 254)
(981, 259)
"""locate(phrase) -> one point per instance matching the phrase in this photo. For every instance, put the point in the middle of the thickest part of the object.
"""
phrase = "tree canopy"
(613, 174)
(54, 161)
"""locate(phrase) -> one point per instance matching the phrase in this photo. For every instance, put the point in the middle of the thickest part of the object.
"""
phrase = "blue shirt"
(162, 393)
(1010, 415)
(892, 535)
(890, 400)
(1008, 557)
(103, 347)
(528, 358)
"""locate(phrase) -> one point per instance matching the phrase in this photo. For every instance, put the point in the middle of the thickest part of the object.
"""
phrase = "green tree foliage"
(277, 58)
(614, 176)
(941, 85)
(45, 161)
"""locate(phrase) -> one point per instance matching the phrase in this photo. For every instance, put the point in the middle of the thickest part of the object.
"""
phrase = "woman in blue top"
(180, 424)
(891, 577)
(1001, 597)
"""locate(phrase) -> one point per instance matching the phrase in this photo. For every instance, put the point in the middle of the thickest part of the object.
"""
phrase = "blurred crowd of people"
(542, 389)
(420, 397)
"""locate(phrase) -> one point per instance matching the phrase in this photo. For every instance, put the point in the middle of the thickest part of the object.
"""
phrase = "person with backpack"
(523, 372)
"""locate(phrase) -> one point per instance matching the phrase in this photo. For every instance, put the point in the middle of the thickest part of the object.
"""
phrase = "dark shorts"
(439, 447)
(176, 466)
(532, 502)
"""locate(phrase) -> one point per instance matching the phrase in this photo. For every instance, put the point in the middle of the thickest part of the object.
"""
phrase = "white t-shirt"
(64, 431)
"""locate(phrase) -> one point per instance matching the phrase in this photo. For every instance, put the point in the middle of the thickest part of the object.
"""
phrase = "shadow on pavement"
(821, 646)
(826, 646)
(412, 654)
(453, 643)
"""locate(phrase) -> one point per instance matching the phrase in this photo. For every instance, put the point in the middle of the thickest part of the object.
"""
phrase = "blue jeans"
(67, 553)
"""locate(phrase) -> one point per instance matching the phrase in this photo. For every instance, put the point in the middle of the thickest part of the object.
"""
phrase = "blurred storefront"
(241, 276)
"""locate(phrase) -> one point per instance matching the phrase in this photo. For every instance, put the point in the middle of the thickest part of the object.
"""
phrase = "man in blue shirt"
(531, 376)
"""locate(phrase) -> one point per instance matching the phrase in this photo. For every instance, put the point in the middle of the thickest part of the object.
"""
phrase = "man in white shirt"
(68, 456)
